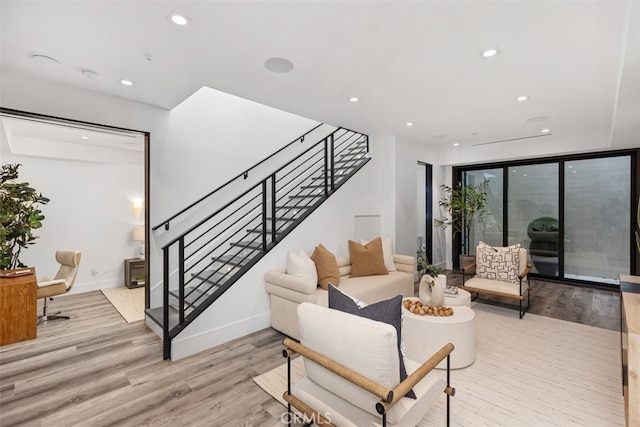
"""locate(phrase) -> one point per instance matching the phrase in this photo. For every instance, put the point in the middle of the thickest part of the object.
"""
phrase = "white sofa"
(287, 291)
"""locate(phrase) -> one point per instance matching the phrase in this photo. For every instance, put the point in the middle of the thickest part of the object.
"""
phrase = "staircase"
(207, 258)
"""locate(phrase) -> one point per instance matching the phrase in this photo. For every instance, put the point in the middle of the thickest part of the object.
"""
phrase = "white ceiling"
(408, 61)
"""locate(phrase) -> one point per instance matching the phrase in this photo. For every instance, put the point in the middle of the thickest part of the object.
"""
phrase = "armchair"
(352, 376)
(499, 271)
(62, 282)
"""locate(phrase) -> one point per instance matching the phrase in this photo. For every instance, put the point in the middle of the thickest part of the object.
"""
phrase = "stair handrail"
(243, 174)
(226, 205)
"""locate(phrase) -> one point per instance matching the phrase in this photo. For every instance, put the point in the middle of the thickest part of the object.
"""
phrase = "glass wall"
(573, 214)
(491, 229)
(596, 225)
(533, 214)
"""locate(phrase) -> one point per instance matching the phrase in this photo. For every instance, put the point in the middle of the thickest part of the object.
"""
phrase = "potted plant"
(543, 233)
(20, 214)
(465, 205)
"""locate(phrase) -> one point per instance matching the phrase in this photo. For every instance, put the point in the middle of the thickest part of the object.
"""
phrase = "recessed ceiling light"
(278, 65)
(574, 171)
(490, 52)
(90, 74)
(570, 166)
(409, 124)
(524, 174)
(522, 98)
(178, 19)
(126, 82)
(456, 144)
(538, 119)
(545, 131)
(45, 58)
(84, 137)
(354, 99)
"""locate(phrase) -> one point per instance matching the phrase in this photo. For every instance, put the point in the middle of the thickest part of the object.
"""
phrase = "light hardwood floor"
(96, 369)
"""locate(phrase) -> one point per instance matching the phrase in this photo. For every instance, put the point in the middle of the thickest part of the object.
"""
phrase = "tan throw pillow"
(326, 266)
(367, 260)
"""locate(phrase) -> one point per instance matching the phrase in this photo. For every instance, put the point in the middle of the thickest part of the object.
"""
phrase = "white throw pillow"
(299, 264)
(387, 253)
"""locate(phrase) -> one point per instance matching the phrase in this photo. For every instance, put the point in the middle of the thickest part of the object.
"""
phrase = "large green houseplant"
(20, 214)
(465, 204)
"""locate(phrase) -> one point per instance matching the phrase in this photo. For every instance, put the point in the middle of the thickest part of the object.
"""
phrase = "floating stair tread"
(307, 196)
(235, 260)
(193, 294)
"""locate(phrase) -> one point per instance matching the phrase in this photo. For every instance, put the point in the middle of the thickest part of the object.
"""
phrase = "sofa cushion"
(326, 266)
(387, 253)
(498, 263)
(387, 311)
(367, 260)
(300, 265)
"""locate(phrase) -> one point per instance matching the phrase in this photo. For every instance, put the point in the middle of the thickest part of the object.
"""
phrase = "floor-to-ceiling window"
(572, 213)
(596, 218)
(533, 212)
(491, 229)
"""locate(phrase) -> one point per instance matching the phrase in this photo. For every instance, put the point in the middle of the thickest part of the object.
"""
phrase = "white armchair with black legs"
(62, 282)
(352, 375)
(499, 271)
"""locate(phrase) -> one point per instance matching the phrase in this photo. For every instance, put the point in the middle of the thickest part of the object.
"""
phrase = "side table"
(134, 272)
(424, 335)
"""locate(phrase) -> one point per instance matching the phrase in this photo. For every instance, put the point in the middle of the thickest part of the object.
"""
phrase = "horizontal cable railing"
(204, 261)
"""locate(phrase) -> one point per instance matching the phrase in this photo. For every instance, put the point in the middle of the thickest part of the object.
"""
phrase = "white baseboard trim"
(95, 286)
(187, 346)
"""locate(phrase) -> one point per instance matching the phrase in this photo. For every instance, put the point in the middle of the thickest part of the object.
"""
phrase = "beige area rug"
(536, 371)
(128, 302)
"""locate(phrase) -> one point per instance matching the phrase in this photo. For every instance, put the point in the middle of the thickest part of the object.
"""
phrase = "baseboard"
(187, 346)
(95, 286)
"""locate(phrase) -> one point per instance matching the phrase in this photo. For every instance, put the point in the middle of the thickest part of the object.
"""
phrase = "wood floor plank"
(95, 369)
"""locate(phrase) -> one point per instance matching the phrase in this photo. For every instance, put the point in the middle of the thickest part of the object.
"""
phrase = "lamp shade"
(137, 233)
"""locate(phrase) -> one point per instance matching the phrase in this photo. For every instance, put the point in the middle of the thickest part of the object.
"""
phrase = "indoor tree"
(20, 214)
(465, 205)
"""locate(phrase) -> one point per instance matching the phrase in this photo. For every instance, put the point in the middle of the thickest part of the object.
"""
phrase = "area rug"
(128, 302)
(535, 371)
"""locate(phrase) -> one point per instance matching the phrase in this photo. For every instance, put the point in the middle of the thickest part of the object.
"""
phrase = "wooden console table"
(630, 324)
(18, 316)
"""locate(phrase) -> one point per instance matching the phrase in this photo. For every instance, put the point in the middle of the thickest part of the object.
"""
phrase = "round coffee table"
(425, 335)
(463, 298)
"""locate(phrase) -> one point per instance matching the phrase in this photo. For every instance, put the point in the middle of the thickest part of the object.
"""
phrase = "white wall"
(190, 158)
(90, 210)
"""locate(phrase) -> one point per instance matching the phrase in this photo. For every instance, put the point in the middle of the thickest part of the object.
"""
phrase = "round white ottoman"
(423, 336)
(463, 298)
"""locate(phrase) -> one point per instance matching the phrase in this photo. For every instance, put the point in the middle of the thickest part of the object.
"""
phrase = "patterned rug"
(128, 302)
(536, 371)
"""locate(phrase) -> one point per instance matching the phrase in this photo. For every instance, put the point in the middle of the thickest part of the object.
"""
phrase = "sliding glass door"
(533, 206)
(596, 218)
(490, 230)
(573, 214)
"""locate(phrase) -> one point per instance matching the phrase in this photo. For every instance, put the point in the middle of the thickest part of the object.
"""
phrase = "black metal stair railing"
(203, 262)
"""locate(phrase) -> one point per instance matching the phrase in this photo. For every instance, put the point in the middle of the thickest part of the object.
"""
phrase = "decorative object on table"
(543, 233)
(465, 205)
(417, 307)
(20, 214)
(137, 235)
(431, 292)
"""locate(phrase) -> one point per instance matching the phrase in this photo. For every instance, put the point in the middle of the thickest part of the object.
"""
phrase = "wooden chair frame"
(388, 398)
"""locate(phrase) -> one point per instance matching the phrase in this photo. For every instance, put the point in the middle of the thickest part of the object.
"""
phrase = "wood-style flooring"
(95, 369)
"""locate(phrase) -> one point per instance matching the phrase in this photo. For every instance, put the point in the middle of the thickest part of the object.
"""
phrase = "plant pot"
(431, 294)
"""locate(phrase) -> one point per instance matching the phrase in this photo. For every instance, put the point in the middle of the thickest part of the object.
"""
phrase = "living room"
(600, 117)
